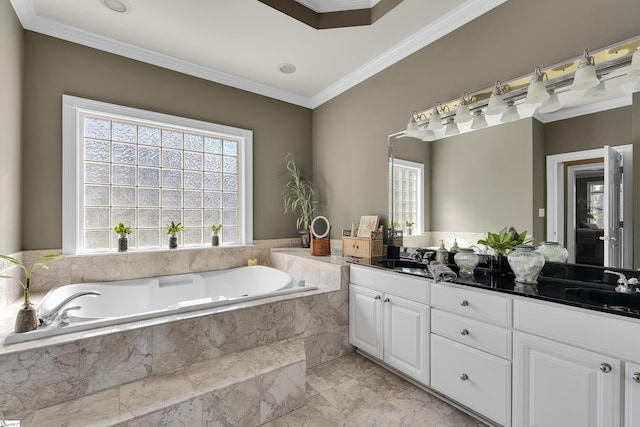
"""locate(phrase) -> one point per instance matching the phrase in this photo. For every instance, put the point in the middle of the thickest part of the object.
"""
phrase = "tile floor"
(353, 391)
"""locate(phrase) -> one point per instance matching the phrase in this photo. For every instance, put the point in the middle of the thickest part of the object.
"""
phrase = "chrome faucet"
(626, 286)
(50, 316)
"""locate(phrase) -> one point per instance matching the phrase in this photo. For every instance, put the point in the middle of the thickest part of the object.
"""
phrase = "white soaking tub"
(139, 299)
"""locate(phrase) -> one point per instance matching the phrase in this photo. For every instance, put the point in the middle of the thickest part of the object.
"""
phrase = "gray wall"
(350, 131)
(11, 67)
(54, 67)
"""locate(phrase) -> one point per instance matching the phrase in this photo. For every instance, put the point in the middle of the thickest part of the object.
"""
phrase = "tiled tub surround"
(49, 371)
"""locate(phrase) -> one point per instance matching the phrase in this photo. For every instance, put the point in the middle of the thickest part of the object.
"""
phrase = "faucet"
(625, 286)
(50, 316)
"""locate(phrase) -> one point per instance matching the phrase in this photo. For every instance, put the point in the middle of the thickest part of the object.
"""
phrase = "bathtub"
(140, 299)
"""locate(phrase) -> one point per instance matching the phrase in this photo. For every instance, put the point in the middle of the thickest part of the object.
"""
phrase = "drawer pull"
(636, 377)
(605, 367)
(464, 332)
(377, 297)
(387, 299)
(464, 303)
(464, 377)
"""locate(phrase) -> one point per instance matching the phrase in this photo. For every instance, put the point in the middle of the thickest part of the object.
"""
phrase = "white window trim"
(418, 226)
(73, 108)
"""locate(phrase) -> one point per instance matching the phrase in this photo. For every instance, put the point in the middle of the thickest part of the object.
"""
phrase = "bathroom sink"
(609, 298)
(406, 266)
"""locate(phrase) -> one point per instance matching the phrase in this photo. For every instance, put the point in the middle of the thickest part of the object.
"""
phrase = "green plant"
(26, 284)
(409, 223)
(298, 193)
(216, 229)
(395, 225)
(504, 240)
(174, 228)
(122, 230)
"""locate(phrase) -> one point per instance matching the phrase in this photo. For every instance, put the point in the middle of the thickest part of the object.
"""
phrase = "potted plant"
(122, 231)
(409, 224)
(215, 229)
(26, 319)
(502, 243)
(298, 197)
(172, 231)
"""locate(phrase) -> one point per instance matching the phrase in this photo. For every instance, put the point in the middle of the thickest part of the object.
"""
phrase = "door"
(557, 385)
(365, 320)
(406, 336)
(612, 230)
(632, 395)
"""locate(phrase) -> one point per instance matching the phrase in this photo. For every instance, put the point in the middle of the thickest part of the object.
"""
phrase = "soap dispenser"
(442, 255)
(455, 247)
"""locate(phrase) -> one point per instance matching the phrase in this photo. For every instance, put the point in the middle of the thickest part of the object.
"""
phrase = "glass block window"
(408, 194)
(147, 173)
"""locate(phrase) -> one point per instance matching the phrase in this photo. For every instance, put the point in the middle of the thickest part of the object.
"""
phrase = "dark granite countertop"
(569, 284)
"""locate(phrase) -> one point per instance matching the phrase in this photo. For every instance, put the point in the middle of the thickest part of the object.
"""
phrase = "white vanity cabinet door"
(632, 395)
(406, 336)
(366, 320)
(556, 385)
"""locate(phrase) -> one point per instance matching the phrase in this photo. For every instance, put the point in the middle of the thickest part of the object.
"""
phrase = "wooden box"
(319, 247)
(362, 247)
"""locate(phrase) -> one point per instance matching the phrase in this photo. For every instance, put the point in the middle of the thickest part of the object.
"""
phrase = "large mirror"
(495, 177)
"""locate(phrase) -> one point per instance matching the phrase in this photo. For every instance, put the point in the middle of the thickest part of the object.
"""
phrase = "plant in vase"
(215, 229)
(409, 224)
(502, 243)
(174, 229)
(122, 231)
(27, 320)
(298, 197)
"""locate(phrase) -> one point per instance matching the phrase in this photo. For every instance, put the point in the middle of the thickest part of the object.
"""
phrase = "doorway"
(589, 205)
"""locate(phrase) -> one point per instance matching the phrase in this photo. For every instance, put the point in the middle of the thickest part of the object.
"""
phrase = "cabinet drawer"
(413, 288)
(472, 377)
(480, 335)
(477, 305)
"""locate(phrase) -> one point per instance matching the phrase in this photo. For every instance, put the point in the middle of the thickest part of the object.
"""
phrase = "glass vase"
(526, 264)
(553, 251)
(466, 260)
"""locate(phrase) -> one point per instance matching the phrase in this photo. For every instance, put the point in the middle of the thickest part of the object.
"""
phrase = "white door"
(406, 336)
(366, 320)
(612, 231)
(632, 395)
(556, 385)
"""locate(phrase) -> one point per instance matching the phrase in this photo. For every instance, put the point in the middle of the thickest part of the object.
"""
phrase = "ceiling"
(242, 43)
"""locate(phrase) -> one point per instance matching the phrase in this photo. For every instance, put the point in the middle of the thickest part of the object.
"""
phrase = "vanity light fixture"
(479, 121)
(537, 91)
(451, 127)
(511, 113)
(463, 114)
(496, 101)
(551, 104)
(412, 127)
(435, 122)
(585, 76)
(595, 92)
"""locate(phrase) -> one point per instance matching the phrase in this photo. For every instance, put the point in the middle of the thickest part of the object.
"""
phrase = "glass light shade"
(451, 128)
(463, 114)
(550, 105)
(536, 93)
(496, 104)
(510, 114)
(585, 76)
(412, 128)
(596, 92)
(427, 135)
(635, 63)
(479, 121)
(435, 122)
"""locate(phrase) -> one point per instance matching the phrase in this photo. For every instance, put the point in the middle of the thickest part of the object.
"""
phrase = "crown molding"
(453, 20)
(325, 6)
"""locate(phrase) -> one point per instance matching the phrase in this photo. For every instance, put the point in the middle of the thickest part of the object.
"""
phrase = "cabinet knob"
(377, 297)
(464, 377)
(605, 367)
(636, 377)
(464, 332)
(387, 299)
(464, 303)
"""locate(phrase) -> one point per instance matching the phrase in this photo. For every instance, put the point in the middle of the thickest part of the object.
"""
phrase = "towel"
(440, 272)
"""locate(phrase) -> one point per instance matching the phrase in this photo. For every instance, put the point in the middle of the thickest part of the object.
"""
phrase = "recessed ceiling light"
(287, 68)
(119, 6)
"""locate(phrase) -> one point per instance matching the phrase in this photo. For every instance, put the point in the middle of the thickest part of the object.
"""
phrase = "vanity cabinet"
(471, 349)
(632, 395)
(389, 319)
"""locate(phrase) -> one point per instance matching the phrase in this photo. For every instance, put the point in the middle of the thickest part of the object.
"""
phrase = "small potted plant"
(215, 239)
(122, 231)
(26, 319)
(172, 231)
(409, 224)
(502, 243)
